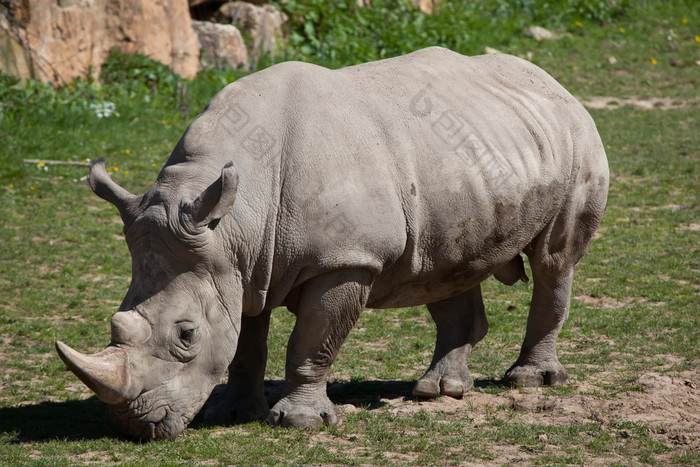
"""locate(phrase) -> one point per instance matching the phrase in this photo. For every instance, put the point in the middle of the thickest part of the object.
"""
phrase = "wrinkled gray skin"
(359, 197)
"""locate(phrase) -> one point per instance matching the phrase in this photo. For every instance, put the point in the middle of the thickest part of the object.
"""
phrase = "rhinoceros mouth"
(154, 414)
(161, 423)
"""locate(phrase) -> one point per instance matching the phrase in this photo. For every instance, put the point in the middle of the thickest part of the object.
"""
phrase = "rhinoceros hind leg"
(243, 399)
(553, 257)
(538, 363)
(327, 309)
(461, 323)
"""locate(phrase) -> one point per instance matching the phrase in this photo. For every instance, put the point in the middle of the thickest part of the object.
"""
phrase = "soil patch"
(647, 103)
(668, 405)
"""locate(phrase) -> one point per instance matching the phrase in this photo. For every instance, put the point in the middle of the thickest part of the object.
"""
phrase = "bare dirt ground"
(649, 103)
(668, 405)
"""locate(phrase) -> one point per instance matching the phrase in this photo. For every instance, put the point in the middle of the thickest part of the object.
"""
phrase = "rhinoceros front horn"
(107, 189)
(106, 372)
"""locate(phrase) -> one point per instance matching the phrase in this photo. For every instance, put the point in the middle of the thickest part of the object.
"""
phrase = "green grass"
(65, 268)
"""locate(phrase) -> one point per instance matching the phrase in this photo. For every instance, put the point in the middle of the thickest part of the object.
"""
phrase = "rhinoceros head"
(178, 325)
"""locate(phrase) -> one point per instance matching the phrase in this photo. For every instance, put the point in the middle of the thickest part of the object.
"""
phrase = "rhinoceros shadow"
(369, 394)
(366, 394)
(51, 421)
(85, 419)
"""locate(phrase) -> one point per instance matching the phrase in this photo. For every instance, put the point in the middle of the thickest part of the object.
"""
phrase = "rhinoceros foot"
(548, 374)
(303, 412)
(225, 409)
(430, 387)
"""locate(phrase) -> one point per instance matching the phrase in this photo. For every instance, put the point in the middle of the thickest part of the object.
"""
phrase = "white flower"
(104, 109)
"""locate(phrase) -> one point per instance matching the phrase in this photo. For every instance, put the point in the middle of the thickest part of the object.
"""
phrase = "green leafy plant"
(140, 76)
(343, 33)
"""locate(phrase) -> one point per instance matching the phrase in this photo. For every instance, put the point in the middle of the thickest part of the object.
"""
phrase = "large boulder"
(61, 40)
(262, 23)
(222, 45)
(14, 53)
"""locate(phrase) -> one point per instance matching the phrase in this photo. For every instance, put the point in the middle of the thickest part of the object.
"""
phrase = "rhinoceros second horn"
(107, 189)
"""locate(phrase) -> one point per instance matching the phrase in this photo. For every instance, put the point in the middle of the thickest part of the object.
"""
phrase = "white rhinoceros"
(396, 183)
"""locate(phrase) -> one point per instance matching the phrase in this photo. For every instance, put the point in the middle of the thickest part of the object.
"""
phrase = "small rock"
(690, 384)
(490, 50)
(612, 60)
(675, 62)
(539, 33)
(542, 437)
(529, 55)
(624, 434)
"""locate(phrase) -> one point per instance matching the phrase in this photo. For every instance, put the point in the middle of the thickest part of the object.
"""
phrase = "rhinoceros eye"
(187, 335)
(186, 340)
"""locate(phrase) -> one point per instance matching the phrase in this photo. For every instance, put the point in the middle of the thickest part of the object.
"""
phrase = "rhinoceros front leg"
(461, 323)
(538, 363)
(243, 400)
(327, 309)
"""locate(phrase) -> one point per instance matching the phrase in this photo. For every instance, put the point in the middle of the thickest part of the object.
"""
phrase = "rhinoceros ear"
(107, 189)
(217, 200)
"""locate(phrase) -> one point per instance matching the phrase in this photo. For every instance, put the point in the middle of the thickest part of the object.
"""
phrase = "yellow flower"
(31, 101)
(684, 21)
(154, 164)
(11, 185)
(108, 169)
(164, 122)
(31, 188)
(126, 172)
(128, 153)
(116, 169)
(697, 38)
(578, 23)
(622, 29)
(41, 164)
(653, 61)
(29, 127)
